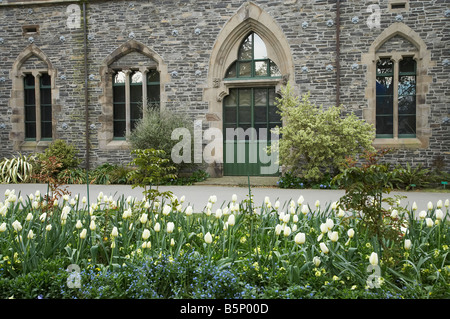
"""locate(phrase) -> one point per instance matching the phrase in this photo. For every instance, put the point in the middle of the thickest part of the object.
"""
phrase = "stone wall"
(184, 34)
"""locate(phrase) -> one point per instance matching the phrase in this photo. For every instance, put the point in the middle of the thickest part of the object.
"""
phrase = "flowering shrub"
(140, 248)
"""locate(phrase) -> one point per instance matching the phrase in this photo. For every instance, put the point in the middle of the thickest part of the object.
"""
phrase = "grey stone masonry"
(191, 42)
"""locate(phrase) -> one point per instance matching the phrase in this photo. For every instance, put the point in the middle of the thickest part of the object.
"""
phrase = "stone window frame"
(106, 132)
(17, 100)
(423, 81)
(248, 18)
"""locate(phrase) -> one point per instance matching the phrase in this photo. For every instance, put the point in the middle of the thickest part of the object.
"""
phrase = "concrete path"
(197, 195)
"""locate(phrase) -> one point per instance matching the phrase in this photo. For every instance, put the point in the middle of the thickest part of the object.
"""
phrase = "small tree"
(152, 168)
(316, 141)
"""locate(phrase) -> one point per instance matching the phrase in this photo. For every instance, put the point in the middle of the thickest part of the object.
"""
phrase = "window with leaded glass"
(38, 107)
(133, 92)
(396, 98)
(253, 60)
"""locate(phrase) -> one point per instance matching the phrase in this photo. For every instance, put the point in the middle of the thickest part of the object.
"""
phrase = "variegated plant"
(17, 169)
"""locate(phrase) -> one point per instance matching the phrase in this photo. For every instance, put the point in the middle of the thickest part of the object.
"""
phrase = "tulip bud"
(172, 242)
(2, 227)
(329, 223)
(114, 232)
(188, 211)
(231, 220)
(351, 233)
(218, 213)
(408, 244)
(278, 229)
(145, 234)
(170, 227)
(92, 225)
(17, 226)
(213, 199)
(300, 200)
(78, 224)
(157, 227)
(373, 259)
(208, 238)
(30, 234)
(341, 213)
(430, 206)
(234, 198)
(447, 203)
(316, 261)
(166, 210)
(323, 228)
(83, 233)
(43, 217)
(439, 214)
(287, 231)
(149, 244)
(286, 218)
(414, 206)
(439, 204)
(49, 227)
(429, 222)
(394, 213)
(300, 238)
(277, 204)
(324, 248)
(144, 218)
(422, 214)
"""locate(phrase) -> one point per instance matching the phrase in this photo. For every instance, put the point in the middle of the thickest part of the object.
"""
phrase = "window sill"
(35, 146)
(398, 143)
(118, 145)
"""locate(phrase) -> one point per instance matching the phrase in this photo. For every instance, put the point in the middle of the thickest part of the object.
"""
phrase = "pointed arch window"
(252, 61)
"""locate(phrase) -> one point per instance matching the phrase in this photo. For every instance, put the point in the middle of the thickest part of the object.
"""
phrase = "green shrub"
(154, 130)
(316, 141)
(65, 153)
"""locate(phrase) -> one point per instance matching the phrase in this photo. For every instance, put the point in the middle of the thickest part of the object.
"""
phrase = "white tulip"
(266, 200)
(351, 233)
(29, 217)
(300, 238)
(145, 234)
(329, 223)
(430, 206)
(3, 210)
(300, 200)
(439, 204)
(341, 213)
(334, 236)
(143, 218)
(170, 227)
(49, 227)
(324, 248)
(317, 204)
(333, 206)
(295, 218)
(231, 220)
(323, 228)
(208, 238)
(447, 203)
(144, 245)
(30, 234)
(213, 199)
(2, 227)
(277, 204)
(429, 222)
(35, 205)
(292, 203)
(157, 227)
(286, 218)
(114, 232)
(149, 245)
(172, 242)
(305, 209)
(209, 205)
(218, 213)
(408, 244)
(278, 229)
(373, 259)
(92, 225)
(78, 224)
(439, 214)
(182, 199)
(234, 198)
(422, 214)
(316, 261)
(414, 206)
(294, 228)
(188, 211)
(166, 210)
(83, 233)
(287, 231)
(127, 213)
(17, 225)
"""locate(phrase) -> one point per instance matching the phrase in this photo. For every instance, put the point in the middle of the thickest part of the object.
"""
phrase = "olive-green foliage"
(155, 129)
(316, 141)
(64, 152)
(17, 169)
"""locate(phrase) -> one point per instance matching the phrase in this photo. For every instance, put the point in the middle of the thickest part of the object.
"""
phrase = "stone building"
(77, 70)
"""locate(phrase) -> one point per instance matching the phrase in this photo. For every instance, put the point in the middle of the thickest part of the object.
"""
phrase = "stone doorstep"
(270, 181)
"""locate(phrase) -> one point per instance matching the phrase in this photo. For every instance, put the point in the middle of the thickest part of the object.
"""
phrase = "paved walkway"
(197, 195)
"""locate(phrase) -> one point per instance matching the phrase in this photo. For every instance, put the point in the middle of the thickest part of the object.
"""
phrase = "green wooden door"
(249, 114)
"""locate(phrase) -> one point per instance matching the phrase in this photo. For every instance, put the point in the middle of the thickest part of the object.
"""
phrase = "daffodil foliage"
(168, 247)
